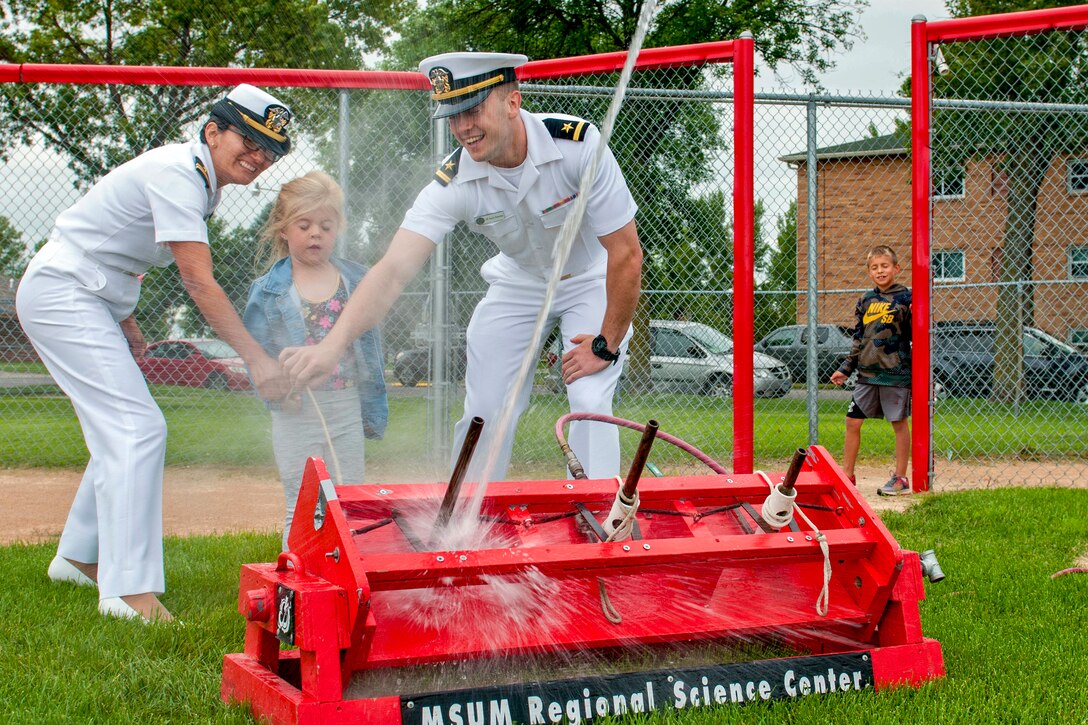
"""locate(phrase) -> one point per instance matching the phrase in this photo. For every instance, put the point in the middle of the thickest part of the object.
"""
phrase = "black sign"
(285, 614)
(580, 700)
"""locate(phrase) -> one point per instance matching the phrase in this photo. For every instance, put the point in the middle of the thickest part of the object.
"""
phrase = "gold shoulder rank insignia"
(448, 169)
(566, 128)
(203, 171)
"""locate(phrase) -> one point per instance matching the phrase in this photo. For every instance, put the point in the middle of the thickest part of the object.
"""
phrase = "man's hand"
(136, 342)
(580, 360)
(838, 377)
(269, 379)
(310, 365)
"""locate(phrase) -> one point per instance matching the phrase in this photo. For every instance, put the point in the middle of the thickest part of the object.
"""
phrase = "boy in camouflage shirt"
(881, 356)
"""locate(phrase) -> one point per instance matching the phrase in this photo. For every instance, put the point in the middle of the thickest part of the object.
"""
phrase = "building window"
(948, 265)
(948, 183)
(1077, 176)
(1078, 263)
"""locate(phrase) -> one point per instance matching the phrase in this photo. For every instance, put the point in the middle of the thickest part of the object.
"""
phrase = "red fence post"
(743, 252)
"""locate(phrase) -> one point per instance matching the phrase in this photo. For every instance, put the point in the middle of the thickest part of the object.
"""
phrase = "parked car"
(963, 362)
(198, 363)
(690, 357)
(790, 345)
(413, 365)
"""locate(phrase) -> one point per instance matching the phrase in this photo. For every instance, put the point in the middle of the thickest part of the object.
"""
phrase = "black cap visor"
(460, 105)
(252, 128)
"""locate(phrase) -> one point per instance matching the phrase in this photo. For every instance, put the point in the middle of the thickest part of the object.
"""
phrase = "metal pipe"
(344, 132)
(792, 472)
(812, 230)
(472, 437)
(639, 461)
(440, 390)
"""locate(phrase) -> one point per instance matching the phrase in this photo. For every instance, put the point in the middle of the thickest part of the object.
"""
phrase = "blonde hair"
(881, 251)
(297, 198)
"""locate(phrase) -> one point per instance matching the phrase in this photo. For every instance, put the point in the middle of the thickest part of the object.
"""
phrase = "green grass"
(1015, 642)
(38, 428)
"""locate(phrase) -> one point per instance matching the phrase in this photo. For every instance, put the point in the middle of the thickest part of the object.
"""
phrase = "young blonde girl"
(295, 303)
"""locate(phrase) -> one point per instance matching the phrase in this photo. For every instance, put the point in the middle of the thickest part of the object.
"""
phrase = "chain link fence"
(832, 179)
(1009, 210)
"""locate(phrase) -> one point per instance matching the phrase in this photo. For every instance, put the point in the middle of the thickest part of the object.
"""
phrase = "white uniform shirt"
(126, 218)
(524, 222)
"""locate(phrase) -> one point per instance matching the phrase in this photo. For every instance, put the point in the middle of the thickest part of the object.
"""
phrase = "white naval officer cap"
(460, 81)
(262, 117)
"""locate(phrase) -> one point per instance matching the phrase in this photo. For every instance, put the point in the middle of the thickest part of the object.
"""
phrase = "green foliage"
(801, 33)
(165, 305)
(13, 252)
(98, 127)
(779, 265)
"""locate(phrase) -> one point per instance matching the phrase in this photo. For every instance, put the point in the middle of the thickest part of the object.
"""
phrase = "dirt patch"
(210, 500)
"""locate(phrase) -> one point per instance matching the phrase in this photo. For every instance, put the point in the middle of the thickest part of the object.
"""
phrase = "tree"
(98, 127)
(1046, 69)
(779, 264)
(13, 253)
(165, 306)
(801, 33)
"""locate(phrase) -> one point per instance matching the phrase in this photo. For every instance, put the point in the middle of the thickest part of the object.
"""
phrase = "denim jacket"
(273, 318)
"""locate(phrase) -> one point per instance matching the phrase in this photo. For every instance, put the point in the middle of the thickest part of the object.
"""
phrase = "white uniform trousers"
(497, 337)
(70, 308)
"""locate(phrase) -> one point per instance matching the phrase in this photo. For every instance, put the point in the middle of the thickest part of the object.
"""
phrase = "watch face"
(600, 349)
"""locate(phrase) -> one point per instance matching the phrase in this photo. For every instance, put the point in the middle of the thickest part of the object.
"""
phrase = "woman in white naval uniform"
(76, 304)
(514, 180)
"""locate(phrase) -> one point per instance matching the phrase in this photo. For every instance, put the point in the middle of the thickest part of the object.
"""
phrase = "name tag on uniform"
(491, 218)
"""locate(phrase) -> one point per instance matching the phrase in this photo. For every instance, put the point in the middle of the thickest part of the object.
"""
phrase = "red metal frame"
(649, 59)
(924, 35)
(743, 255)
(700, 574)
(922, 421)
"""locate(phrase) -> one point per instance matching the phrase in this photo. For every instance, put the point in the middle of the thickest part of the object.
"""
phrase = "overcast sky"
(880, 62)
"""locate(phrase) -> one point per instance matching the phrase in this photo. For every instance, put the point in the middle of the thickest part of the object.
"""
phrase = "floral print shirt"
(319, 318)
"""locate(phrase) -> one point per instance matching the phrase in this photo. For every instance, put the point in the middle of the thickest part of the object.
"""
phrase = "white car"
(690, 357)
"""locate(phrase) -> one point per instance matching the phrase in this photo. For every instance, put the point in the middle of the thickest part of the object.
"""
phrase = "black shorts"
(879, 401)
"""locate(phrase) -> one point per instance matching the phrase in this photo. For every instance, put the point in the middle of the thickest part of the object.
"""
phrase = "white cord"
(618, 525)
(328, 437)
(784, 517)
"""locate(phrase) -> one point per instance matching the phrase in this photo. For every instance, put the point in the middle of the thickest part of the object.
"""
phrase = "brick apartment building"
(13, 343)
(864, 197)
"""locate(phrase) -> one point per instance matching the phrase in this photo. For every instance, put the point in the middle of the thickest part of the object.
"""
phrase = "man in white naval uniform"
(76, 304)
(514, 180)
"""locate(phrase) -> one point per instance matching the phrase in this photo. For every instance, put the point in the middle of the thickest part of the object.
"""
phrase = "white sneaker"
(62, 570)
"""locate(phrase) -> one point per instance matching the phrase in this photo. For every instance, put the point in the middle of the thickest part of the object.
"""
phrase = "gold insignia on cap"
(276, 117)
(440, 80)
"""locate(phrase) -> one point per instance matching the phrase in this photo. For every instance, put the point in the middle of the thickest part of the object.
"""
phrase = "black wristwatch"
(600, 349)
